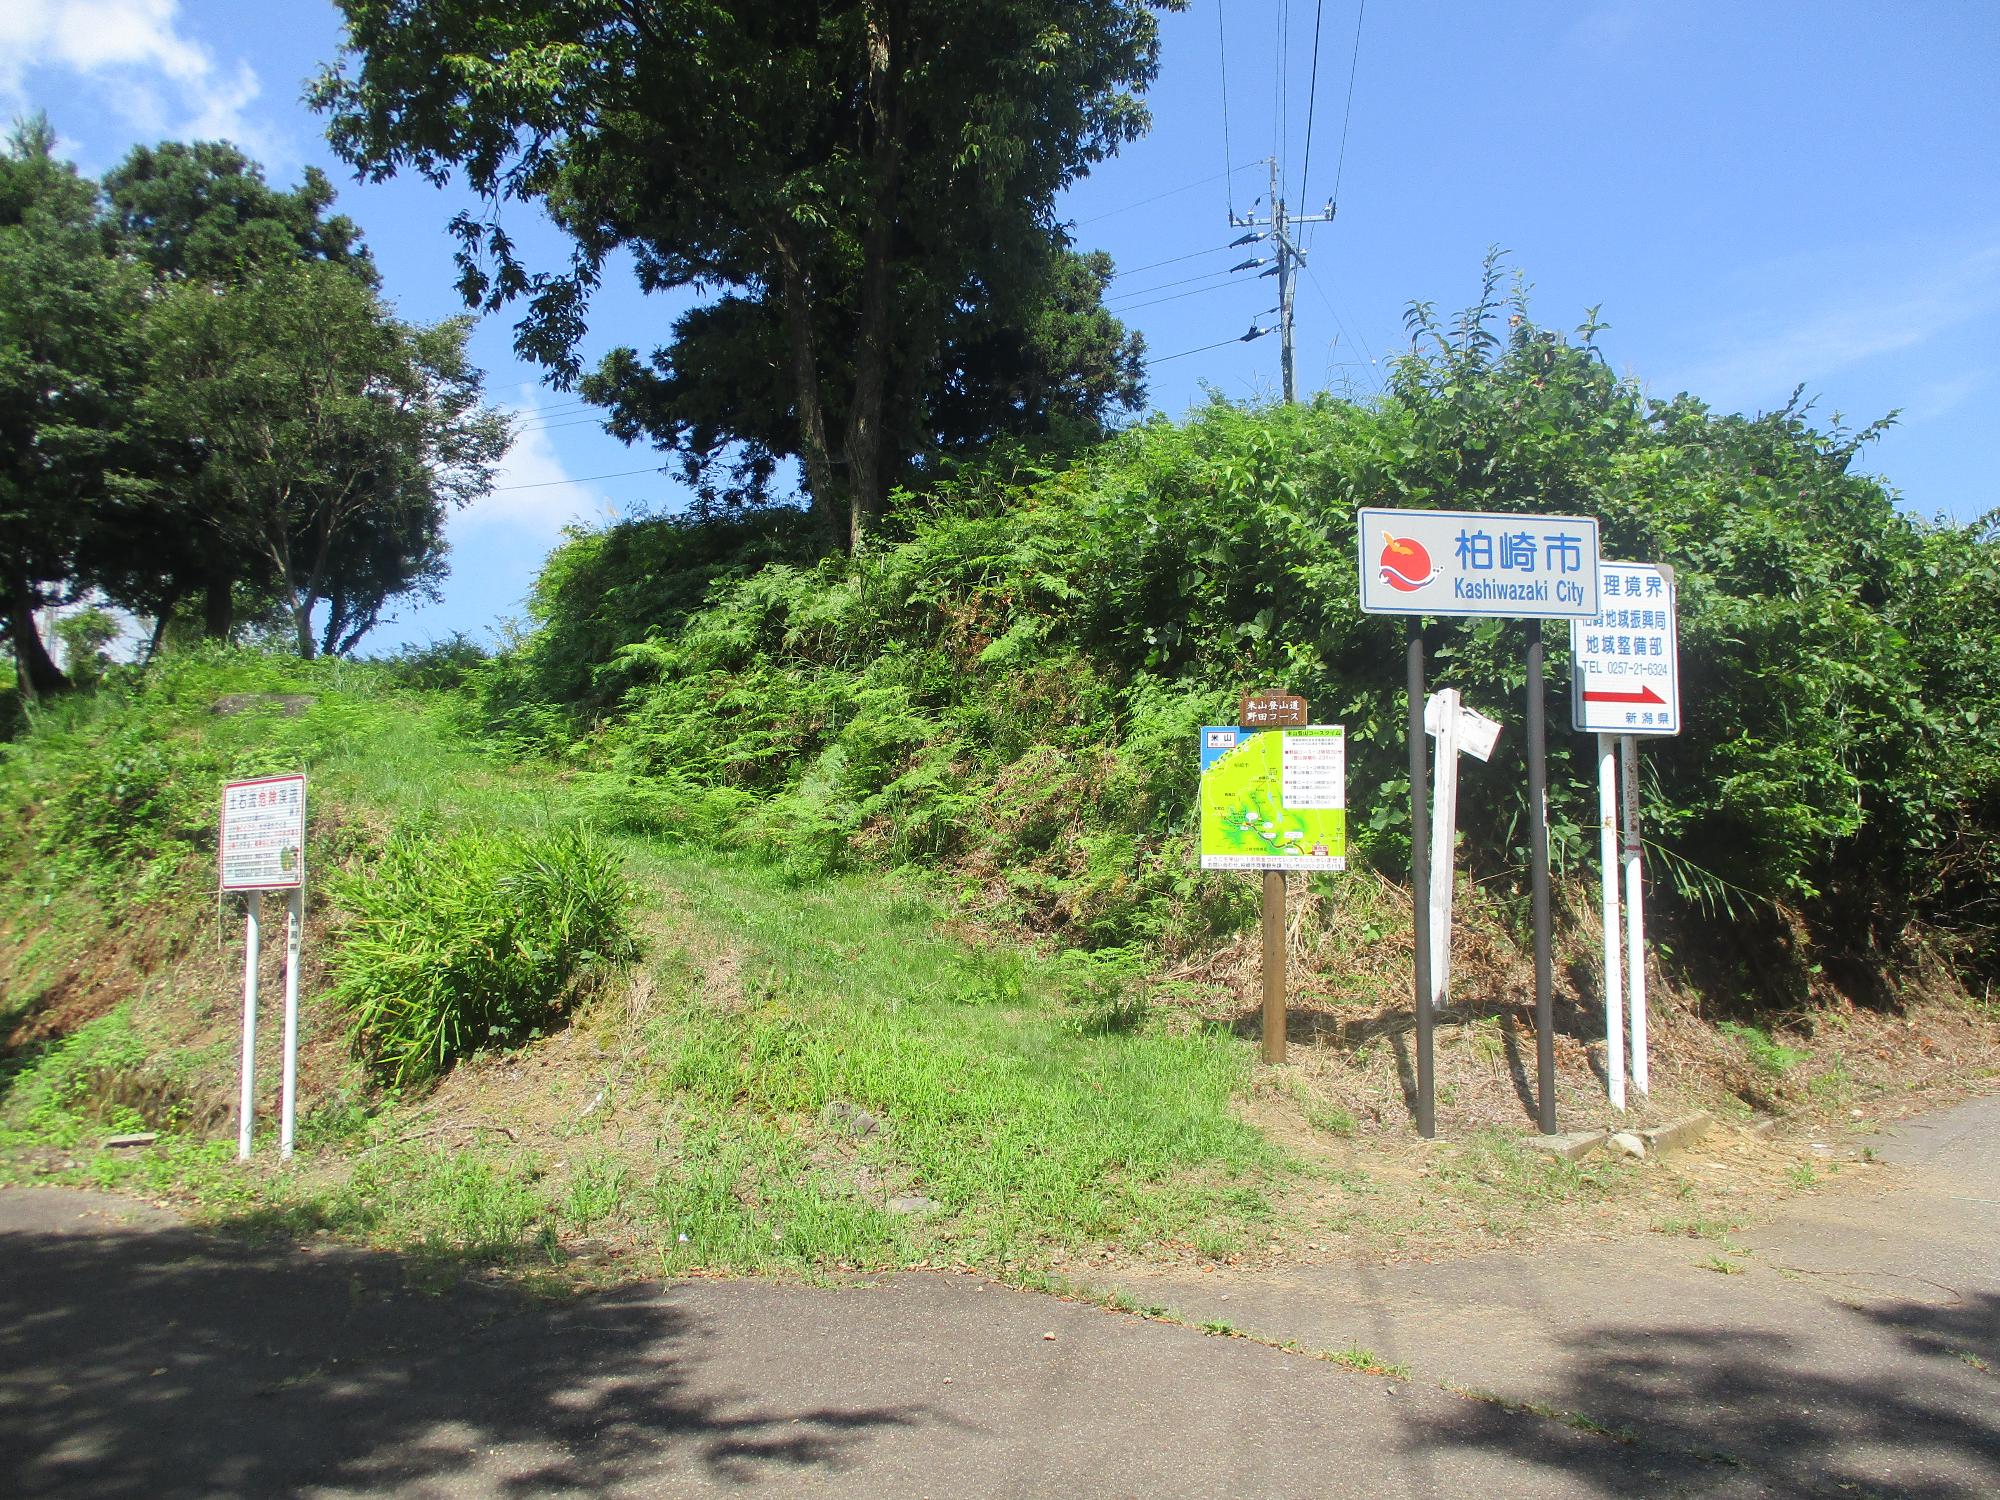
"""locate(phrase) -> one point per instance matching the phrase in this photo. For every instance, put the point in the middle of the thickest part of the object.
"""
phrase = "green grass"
(1331, 1118)
(1770, 1057)
(1698, 1226)
(1029, 1095)
(1029, 1130)
(1509, 1187)
(1366, 1362)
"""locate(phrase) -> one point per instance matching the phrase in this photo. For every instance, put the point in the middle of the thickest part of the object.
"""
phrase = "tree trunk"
(218, 608)
(797, 300)
(871, 362)
(34, 668)
(302, 620)
(160, 622)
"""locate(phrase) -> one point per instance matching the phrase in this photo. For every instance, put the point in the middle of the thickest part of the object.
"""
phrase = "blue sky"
(1756, 195)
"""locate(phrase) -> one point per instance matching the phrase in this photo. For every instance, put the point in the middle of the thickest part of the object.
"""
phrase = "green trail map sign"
(1273, 799)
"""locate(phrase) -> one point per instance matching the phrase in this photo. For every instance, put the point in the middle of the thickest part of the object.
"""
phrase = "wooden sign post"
(1269, 709)
(1273, 800)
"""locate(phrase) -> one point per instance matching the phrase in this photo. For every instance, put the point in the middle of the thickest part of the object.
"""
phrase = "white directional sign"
(1476, 734)
(1626, 678)
(1448, 562)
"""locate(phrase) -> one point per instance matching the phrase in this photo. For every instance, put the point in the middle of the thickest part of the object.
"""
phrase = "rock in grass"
(128, 1142)
(913, 1203)
(853, 1119)
(291, 705)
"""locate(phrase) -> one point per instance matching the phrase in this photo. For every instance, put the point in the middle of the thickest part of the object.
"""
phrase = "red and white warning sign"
(1626, 667)
(264, 833)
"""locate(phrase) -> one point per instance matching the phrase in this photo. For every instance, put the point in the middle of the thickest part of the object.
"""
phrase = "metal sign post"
(1479, 563)
(288, 1109)
(1420, 871)
(1538, 862)
(263, 843)
(1626, 685)
(245, 1102)
(1635, 916)
(1614, 989)
(1274, 799)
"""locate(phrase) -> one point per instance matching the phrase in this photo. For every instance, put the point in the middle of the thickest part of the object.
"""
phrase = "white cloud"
(1938, 398)
(1858, 318)
(533, 492)
(143, 66)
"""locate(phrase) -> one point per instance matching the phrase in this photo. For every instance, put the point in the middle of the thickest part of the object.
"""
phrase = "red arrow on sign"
(1644, 695)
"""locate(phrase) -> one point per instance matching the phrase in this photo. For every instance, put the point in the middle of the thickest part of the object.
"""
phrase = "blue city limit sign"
(1460, 562)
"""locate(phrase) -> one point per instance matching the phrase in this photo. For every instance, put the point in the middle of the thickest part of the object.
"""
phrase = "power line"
(1278, 81)
(1284, 77)
(1348, 113)
(558, 426)
(1312, 101)
(549, 484)
(1228, 155)
(1374, 371)
(1240, 339)
(1144, 290)
(1170, 192)
(1200, 291)
(1154, 265)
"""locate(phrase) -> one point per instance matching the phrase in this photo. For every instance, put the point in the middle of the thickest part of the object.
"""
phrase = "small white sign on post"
(1625, 685)
(1635, 914)
(1456, 728)
(263, 848)
(1626, 678)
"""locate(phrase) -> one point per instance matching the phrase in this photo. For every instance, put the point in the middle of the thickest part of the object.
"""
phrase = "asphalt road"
(141, 1358)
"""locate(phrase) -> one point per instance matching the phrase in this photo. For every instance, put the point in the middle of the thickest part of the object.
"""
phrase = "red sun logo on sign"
(1406, 566)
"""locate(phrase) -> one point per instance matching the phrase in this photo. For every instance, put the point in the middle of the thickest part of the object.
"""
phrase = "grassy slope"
(758, 1003)
(682, 1121)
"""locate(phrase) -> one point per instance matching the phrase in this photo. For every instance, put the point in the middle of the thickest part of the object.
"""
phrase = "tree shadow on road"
(1749, 1401)
(175, 1363)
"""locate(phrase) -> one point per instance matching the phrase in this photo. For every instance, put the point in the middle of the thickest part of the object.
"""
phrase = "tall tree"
(333, 437)
(203, 212)
(851, 174)
(1047, 363)
(68, 359)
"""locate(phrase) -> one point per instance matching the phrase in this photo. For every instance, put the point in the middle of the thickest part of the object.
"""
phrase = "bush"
(1011, 685)
(471, 940)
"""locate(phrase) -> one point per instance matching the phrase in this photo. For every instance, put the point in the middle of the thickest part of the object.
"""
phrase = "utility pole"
(1279, 225)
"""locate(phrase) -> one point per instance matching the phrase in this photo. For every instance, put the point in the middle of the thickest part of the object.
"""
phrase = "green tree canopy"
(202, 210)
(69, 357)
(333, 438)
(856, 181)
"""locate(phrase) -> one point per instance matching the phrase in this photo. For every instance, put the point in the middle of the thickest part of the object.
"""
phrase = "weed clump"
(469, 940)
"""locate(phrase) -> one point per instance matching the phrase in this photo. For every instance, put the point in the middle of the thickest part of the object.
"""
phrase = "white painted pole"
(1614, 988)
(1443, 715)
(247, 1102)
(1635, 914)
(1445, 709)
(295, 914)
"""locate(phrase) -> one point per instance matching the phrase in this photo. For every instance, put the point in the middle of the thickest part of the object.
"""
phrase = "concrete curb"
(1678, 1135)
(1573, 1145)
